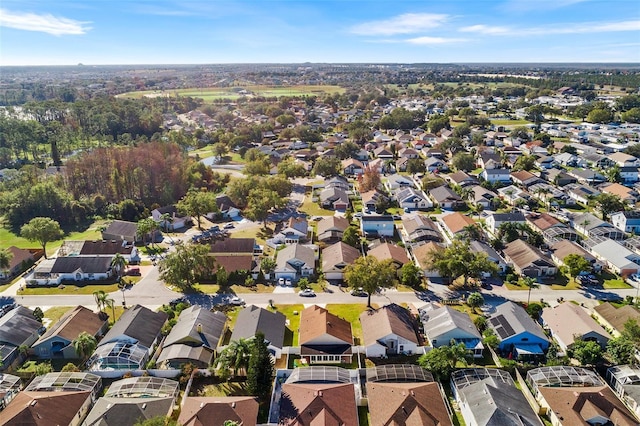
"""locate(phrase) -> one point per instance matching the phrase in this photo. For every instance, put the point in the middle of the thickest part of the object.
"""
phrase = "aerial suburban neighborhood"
(319, 243)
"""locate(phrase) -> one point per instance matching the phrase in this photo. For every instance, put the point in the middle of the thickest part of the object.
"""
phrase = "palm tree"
(84, 345)
(5, 260)
(235, 357)
(101, 299)
(531, 283)
(165, 218)
(543, 193)
(119, 263)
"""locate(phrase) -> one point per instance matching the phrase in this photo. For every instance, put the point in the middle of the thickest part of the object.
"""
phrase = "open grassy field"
(8, 238)
(501, 122)
(210, 94)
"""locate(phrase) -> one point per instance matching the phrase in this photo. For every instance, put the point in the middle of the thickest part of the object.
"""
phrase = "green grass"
(569, 284)
(612, 281)
(206, 288)
(515, 286)
(351, 313)
(364, 419)
(214, 93)
(501, 122)
(92, 232)
(55, 313)
(224, 389)
(294, 320)
(68, 289)
(467, 310)
(204, 152)
(254, 232)
(314, 209)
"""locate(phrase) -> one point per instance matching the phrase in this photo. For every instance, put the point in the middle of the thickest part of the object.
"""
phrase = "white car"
(635, 277)
(307, 292)
(281, 281)
(288, 282)
(237, 301)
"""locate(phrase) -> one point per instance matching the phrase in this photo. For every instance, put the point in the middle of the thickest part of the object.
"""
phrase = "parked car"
(175, 302)
(281, 281)
(359, 292)
(134, 272)
(307, 292)
(397, 217)
(635, 277)
(229, 226)
(237, 301)
(288, 282)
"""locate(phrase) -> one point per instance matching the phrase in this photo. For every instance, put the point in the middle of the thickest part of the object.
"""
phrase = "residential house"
(496, 175)
(294, 262)
(563, 248)
(446, 198)
(47, 408)
(598, 161)
(625, 381)
(594, 227)
(520, 336)
(226, 207)
(123, 230)
(492, 255)
(545, 162)
(558, 177)
(435, 165)
(482, 197)
(406, 401)
(372, 199)
(324, 337)
(409, 153)
(339, 182)
(334, 198)
(489, 160)
(297, 230)
(19, 260)
(624, 160)
(551, 228)
(411, 199)
(420, 255)
(57, 342)
(614, 318)
(18, 327)
(218, 411)
(587, 176)
(462, 179)
(336, 258)
(568, 323)
(420, 228)
(383, 153)
(194, 339)
(513, 195)
(174, 220)
(331, 228)
(132, 400)
(396, 181)
(352, 167)
(629, 175)
(494, 220)
(235, 255)
(489, 397)
(390, 330)
(443, 324)
(577, 396)
(528, 260)
(377, 226)
(581, 193)
(455, 223)
(317, 403)
(52, 272)
(253, 319)
(389, 251)
(524, 178)
(627, 221)
(129, 343)
(626, 194)
(618, 259)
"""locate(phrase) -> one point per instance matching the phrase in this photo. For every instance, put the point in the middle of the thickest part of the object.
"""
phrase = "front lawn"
(350, 313)
(69, 289)
(55, 313)
(314, 209)
(292, 313)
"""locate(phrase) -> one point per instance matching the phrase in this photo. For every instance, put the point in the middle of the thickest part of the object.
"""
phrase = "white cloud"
(402, 24)
(45, 23)
(434, 40)
(579, 28)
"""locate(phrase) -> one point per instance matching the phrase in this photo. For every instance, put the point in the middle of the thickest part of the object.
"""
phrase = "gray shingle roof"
(253, 319)
(139, 323)
(17, 326)
(185, 331)
(95, 265)
(518, 319)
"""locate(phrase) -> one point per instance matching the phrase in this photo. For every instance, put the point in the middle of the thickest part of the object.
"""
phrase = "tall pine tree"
(261, 371)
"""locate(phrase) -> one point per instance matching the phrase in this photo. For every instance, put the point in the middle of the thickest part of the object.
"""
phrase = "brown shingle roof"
(18, 256)
(407, 404)
(316, 322)
(576, 406)
(338, 253)
(411, 224)
(617, 317)
(523, 254)
(333, 222)
(43, 408)
(457, 221)
(543, 221)
(390, 319)
(234, 263)
(564, 248)
(75, 322)
(234, 245)
(390, 251)
(421, 252)
(620, 190)
(308, 404)
(214, 411)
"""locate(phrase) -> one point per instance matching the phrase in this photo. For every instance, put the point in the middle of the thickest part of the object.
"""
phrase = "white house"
(52, 272)
(294, 262)
(175, 220)
(496, 175)
(390, 330)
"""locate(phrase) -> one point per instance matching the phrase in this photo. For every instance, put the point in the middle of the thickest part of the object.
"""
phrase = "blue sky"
(45, 32)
